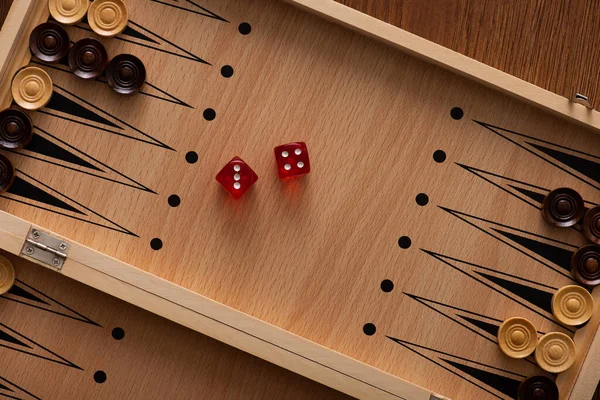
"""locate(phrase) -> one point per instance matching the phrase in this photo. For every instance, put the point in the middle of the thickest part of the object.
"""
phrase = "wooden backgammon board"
(60, 339)
(387, 271)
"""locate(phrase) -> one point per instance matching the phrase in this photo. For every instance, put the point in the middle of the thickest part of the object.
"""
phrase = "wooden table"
(547, 43)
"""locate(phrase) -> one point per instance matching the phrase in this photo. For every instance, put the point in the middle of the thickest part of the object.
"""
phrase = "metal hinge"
(45, 248)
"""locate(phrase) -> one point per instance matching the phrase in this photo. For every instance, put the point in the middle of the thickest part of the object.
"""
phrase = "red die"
(292, 160)
(236, 177)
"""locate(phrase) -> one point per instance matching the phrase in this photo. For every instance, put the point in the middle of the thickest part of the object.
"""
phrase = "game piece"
(31, 88)
(591, 225)
(563, 207)
(88, 58)
(16, 129)
(7, 275)
(585, 265)
(49, 42)
(7, 173)
(517, 337)
(572, 305)
(292, 160)
(236, 177)
(555, 352)
(538, 388)
(68, 12)
(126, 74)
(108, 17)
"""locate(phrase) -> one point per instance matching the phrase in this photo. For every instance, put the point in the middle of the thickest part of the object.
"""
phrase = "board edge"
(576, 381)
(23, 16)
(216, 320)
(102, 272)
(581, 380)
(450, 60)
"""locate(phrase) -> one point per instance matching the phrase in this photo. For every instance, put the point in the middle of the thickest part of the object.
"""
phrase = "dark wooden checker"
(60, 339)
(312, 257)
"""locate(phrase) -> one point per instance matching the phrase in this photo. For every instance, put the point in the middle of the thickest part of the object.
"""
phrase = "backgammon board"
(60, 339)
(385, 272)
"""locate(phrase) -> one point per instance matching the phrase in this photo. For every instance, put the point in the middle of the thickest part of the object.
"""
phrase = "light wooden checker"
(310, 256)
(59, 337)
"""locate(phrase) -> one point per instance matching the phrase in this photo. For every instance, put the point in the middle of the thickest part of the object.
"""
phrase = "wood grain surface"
(57, 334)
(548, 43)
(527, 114)
(309, 256)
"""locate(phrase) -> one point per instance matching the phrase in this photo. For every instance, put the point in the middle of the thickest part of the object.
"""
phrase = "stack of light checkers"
(32, 87)
(554, 352)
(572, 305)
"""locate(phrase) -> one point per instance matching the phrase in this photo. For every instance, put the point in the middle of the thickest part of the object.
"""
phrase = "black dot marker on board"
(245, 28)
(174, 200)
(227, 71)
(100, 376)
(118, 333)
(156, 244)
(422, 199)
(439, 156)
(369, 329)
(404, 242)
(209, 114)
(191, 157)
(387, 285)
(457, 113)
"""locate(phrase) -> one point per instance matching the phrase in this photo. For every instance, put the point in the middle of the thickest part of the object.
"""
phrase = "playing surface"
(401, 152)
(60, 339)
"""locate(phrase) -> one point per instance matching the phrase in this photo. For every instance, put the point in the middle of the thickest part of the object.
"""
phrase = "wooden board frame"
(241, 330)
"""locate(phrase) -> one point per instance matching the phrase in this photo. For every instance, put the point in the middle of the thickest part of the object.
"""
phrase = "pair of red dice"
(292, 160)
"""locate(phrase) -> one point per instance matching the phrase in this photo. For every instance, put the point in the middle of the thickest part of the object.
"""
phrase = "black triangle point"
(96, 117)
(585, 164)
(148, 39)
(162, 94)
(11, 339)
(456, 312)
(549, 252)
(6, 337)
(481, 378)
(486, 326)
(14, 390)
(532, 191)
(20, 292)
(535, 196)
(32, 189)
(23, 188)
(43, 146)
(530, 297)
(193, 8)
(60, 103)
(526, 192)
(503, 384)
(25, 294)
(61, 150)
(554, 254)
